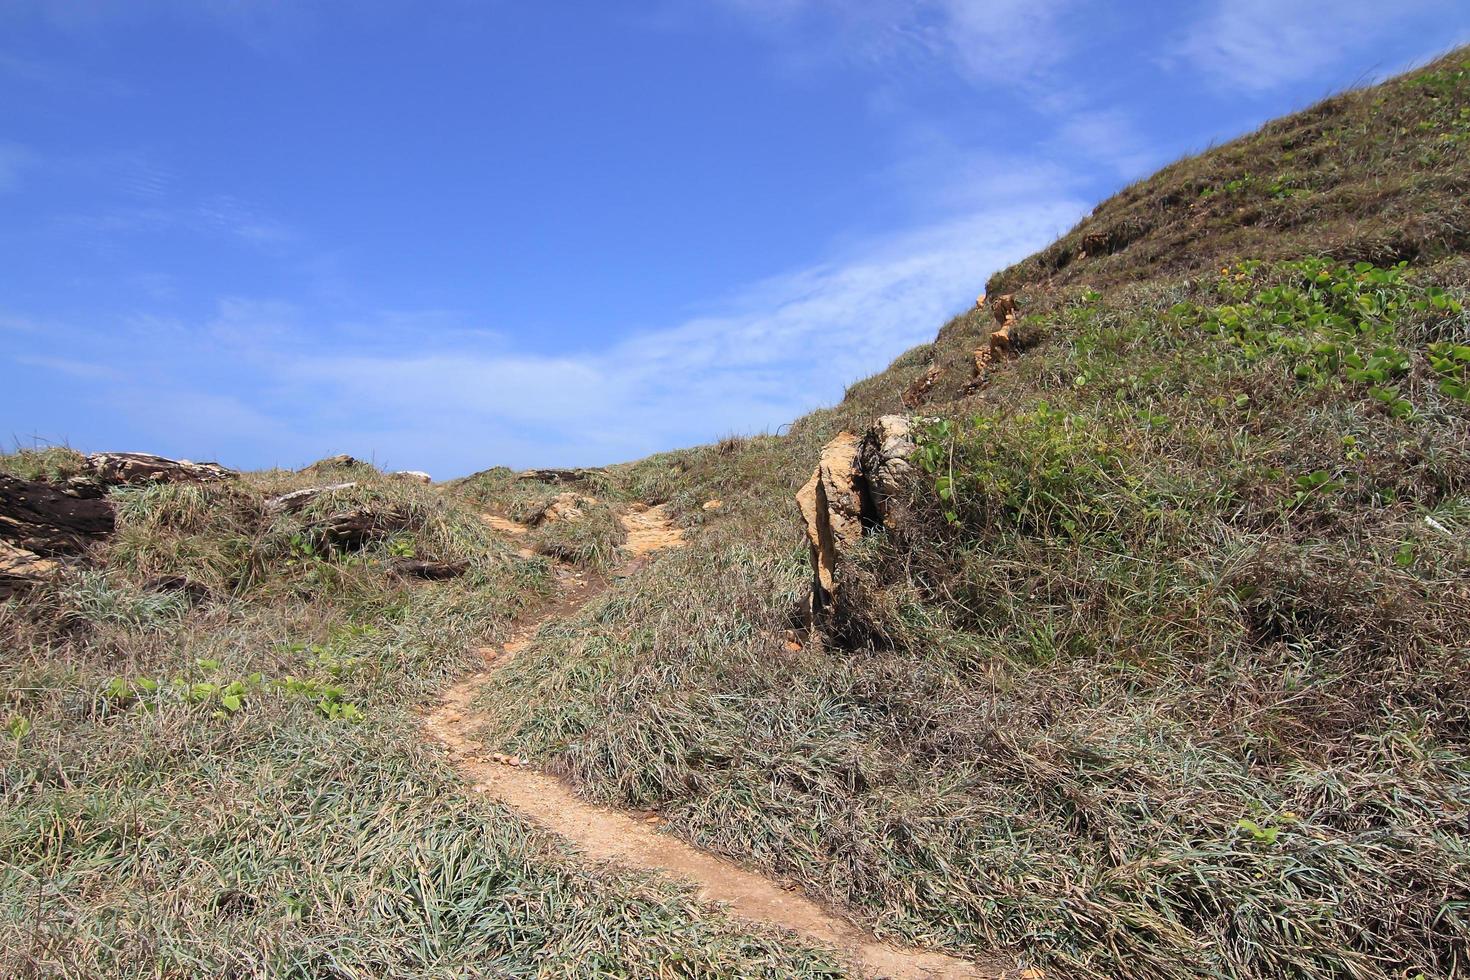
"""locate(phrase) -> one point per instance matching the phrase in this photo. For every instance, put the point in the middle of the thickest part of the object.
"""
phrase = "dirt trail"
(632, 840)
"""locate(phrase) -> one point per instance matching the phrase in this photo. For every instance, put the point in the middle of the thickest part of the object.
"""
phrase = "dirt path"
(632, 840)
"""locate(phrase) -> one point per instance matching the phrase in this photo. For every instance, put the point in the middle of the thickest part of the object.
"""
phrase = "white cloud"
(250, 381)
(782, 347)
(989, 41)
(1259, 45)
(1109, 137)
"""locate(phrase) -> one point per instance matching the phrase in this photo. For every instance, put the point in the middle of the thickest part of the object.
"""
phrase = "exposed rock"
(649, 529)
(565, 507)
(341, 461)
(857, 487)
(504, 524)
(832, 503)
(290, 503)
(918, 393)
(351, 529)
(715, 504)
(20, 568)
(1003, 307)
(417, 476)
(982, 364)
(41, 518)
(132, 469)
(576, 475)
(888, 447)
(40, 523)
(1002, 340)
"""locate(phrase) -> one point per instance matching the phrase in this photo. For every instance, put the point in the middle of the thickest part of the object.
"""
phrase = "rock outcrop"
(413, 476)
(573, 475)
(354, 527)
(567, 506)
(831, 504)
(134, 469)
(41, 523)
(856, 488)
(1002, 340)
(887, 454)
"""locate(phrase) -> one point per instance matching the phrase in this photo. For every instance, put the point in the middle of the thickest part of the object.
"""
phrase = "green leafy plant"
(1333, 324)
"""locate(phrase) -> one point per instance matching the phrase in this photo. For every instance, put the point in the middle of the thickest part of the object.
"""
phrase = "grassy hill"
(229, 778)
(1175, 681)
(1169, 677)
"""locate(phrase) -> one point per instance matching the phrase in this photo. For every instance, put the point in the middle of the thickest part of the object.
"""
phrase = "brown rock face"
(831, 504)
(1002, 340)
(1003, 307)
(18, 566)
(856, 488)
(574, 475)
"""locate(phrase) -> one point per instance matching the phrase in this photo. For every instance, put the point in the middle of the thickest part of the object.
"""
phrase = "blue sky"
(450, 235)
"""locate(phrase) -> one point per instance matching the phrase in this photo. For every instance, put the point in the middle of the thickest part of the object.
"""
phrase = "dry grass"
(1175, 682)
(234, 782)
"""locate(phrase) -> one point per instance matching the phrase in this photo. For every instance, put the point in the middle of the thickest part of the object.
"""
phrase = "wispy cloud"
(466, 400)
(1259, 45)
(1110, 137)
(989, 41)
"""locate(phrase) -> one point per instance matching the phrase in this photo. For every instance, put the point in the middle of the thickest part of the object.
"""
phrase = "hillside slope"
(1167, 673)
(1171, 678)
